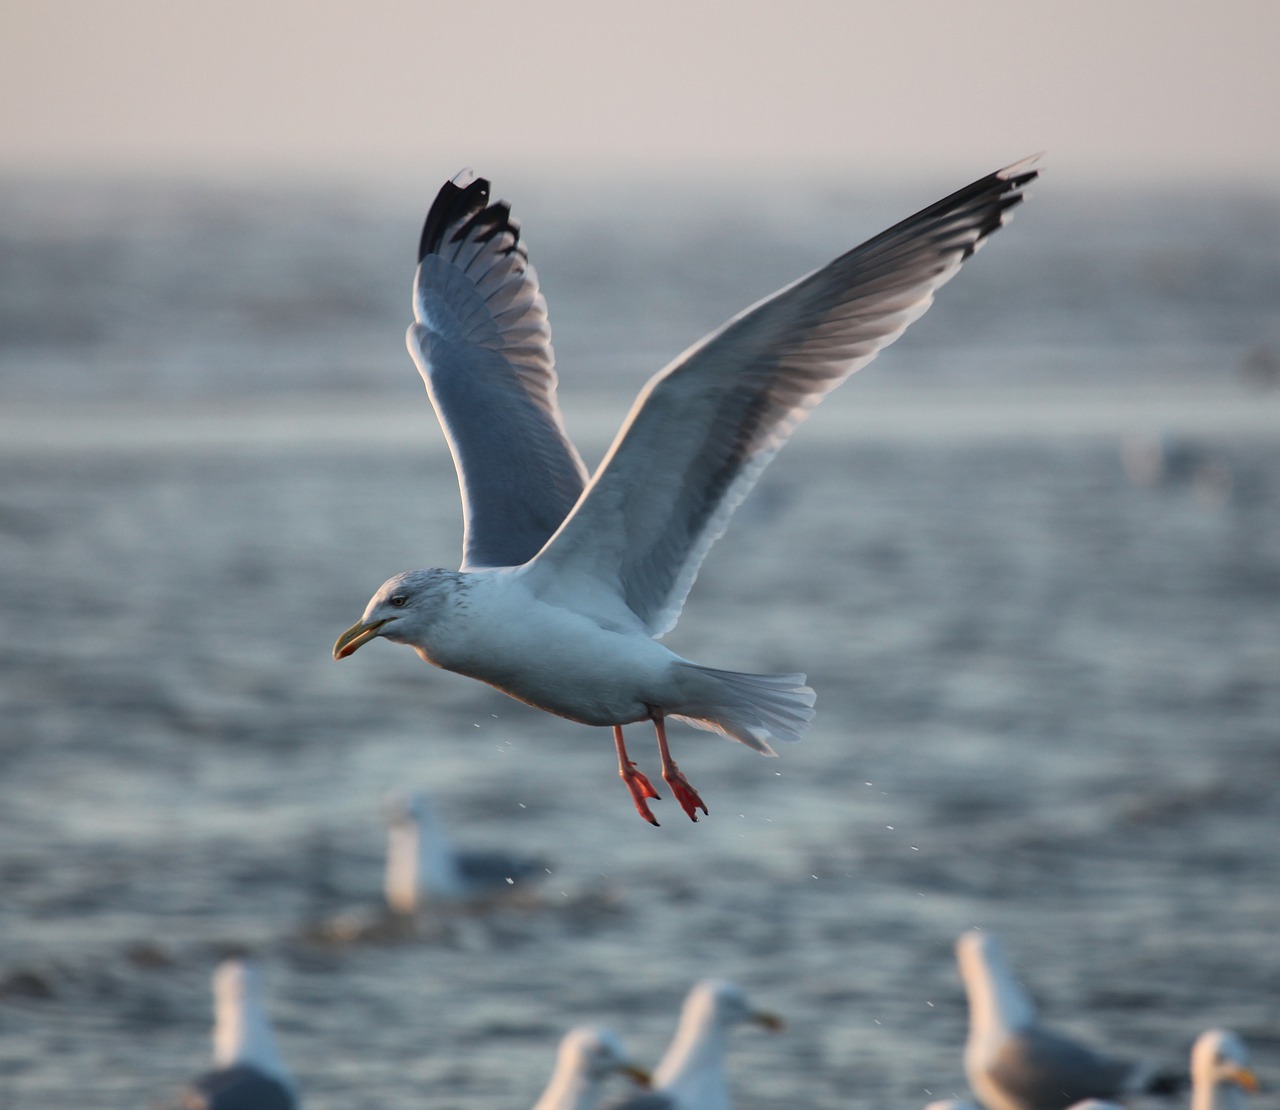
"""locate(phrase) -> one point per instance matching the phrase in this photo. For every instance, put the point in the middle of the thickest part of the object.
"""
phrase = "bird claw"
(641, 790)
(689, 799)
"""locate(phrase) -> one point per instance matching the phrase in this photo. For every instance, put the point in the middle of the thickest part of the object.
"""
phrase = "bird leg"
(681, 787)
(641, 788)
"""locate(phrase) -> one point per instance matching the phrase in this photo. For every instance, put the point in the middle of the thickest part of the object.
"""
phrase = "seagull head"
(726, 1005)
(402, 610)
(599, 1054)
(999, 1003)
(404, 807)
(1219, 1056)
(237, 981)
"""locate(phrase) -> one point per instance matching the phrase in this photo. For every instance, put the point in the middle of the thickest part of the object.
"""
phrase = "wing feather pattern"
(482, 342)
(1040, 1068)
(704, 428)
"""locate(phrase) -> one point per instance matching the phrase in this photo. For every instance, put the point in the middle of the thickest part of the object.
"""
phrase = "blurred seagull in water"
(588, 1057)
(567, 580)
(1220, 1072)
(248, 1072)
(423, 866)
(1013, 1063)
(691, 1076)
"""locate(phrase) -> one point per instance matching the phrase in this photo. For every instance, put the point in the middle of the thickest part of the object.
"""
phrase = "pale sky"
(1159, 89)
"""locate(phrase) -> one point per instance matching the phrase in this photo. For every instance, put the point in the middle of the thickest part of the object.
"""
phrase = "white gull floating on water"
(588, 1057)
(1220, 1075)
(423, 866)
(1013, 1062)
(249, 1072)
(567, 580)
(691, 1075)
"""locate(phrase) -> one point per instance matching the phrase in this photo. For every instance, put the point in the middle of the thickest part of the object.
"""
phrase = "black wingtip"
(460, 199)
(463, 206)
(982, 207)
(1004, 190)
(1009, 187)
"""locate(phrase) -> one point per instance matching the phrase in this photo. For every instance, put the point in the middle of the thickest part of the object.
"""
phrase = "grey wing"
(704, 428)
(1046, 1071)
(644, 1100)
(239, 1087)
(482, 343)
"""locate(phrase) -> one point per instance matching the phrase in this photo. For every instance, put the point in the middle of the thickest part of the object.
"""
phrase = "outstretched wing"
(704, 428)
(483, 346)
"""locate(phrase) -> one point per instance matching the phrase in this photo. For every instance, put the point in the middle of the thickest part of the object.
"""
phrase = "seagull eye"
(399, 601)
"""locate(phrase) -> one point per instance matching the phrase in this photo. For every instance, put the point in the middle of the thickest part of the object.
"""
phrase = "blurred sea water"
(1029, 558)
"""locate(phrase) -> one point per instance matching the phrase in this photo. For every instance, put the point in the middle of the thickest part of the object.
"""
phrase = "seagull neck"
(571, 1088)
(400, 883)
(1211, 1093)
(998, 1003)
(692, 1071)
(242, 1036)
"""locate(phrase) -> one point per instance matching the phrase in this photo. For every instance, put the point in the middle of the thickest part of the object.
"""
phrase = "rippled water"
(1048, 693)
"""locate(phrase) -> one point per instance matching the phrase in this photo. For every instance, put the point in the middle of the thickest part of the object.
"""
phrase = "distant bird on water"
(1013, 1062)
(424, 867)
(248, 1072)
(566, 579)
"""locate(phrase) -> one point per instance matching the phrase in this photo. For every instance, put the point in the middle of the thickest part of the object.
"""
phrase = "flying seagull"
(567, 579)
(1013, 1062)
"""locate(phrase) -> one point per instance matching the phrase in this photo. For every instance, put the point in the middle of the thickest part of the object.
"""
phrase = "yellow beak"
(355, 637)
(1245, 1078)
(636, 1075)
(772, 1022)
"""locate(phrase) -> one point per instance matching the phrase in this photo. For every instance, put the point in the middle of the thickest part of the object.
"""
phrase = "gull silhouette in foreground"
(1012, 1062)
(248, 1072)
(424, 868)
(691, 1076)
(567, 580)
(588, 1056)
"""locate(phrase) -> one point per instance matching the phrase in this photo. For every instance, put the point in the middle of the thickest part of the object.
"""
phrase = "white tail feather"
(750, 708)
